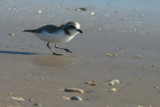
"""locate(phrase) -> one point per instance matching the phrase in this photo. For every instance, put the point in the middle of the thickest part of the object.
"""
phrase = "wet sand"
(128, 30)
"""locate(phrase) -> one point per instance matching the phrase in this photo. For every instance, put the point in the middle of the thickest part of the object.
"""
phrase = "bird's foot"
(67, 50)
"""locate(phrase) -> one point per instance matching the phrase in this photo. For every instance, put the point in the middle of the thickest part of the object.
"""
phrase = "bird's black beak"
(79, 31)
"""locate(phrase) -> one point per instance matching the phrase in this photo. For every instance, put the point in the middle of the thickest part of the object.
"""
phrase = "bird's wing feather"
(50, 28)
(47, 28)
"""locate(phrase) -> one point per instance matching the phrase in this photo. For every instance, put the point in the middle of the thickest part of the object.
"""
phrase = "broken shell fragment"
(112, 55)
(66, 98)
(74, 90)
(138, 56)
(112, 82)
(19, 99)
(113, 89)
(11, 34)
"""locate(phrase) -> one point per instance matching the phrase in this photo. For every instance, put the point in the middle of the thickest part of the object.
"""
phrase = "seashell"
(19, 99)
(74, 90)
(113, 89)
(77, 98)
(112, 82)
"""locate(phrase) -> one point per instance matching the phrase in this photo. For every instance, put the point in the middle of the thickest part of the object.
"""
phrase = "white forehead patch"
(77, 25)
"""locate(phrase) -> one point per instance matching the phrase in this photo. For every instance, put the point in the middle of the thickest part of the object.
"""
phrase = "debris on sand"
(18, 99)
(39, 11)
(112, 55)
(77, 98)
(114, 81)
(138, 56)
(74, 90)
(113, 89)
(81, 9)
(91, 83)
(153, 65)
(92, 13)
(11, 34)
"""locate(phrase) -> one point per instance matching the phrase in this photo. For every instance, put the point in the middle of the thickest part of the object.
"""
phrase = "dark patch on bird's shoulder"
(47, 28)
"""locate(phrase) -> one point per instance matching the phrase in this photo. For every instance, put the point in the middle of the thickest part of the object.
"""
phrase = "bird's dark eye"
(72, 27)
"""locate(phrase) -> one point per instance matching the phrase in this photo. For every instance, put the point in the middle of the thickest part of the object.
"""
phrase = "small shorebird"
(57, 34)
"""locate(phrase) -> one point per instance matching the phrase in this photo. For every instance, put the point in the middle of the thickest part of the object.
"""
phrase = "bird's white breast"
(56, 37)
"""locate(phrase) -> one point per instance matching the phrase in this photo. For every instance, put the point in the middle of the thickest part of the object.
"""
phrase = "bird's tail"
(29, 30)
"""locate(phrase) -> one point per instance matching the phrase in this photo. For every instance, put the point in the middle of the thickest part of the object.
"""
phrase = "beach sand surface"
(120, 41)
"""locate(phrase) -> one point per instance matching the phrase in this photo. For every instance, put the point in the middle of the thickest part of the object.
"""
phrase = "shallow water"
(116, 24)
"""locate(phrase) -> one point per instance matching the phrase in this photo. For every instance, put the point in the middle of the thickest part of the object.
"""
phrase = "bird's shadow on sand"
(16, 52)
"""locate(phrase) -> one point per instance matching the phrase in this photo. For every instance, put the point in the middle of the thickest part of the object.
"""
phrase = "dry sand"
(120, 41)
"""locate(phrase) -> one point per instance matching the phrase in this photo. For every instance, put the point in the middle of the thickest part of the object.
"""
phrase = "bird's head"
(73, 26)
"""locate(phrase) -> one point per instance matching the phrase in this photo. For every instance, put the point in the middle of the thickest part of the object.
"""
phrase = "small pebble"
(155, 86)
(10, 94)
(124, 18)
(136, 10)
(99, 29)
(39, 11)
(113, 89)
(43, 78)
(134, 29)
(74, 90)
(77, 98)
(141, 15)
(92, 13)
(30, 100)
(36, 104)
(140, 106)
(116, 12)
(141, 79)
(153, 65)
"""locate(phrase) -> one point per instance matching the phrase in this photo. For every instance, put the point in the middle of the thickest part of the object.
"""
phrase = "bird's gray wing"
(47, 28)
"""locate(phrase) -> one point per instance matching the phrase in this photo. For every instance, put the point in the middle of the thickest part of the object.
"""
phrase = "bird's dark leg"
(52, 49)
(67, 50)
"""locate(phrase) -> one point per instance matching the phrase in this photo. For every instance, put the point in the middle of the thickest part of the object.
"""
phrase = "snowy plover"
(57, 34)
